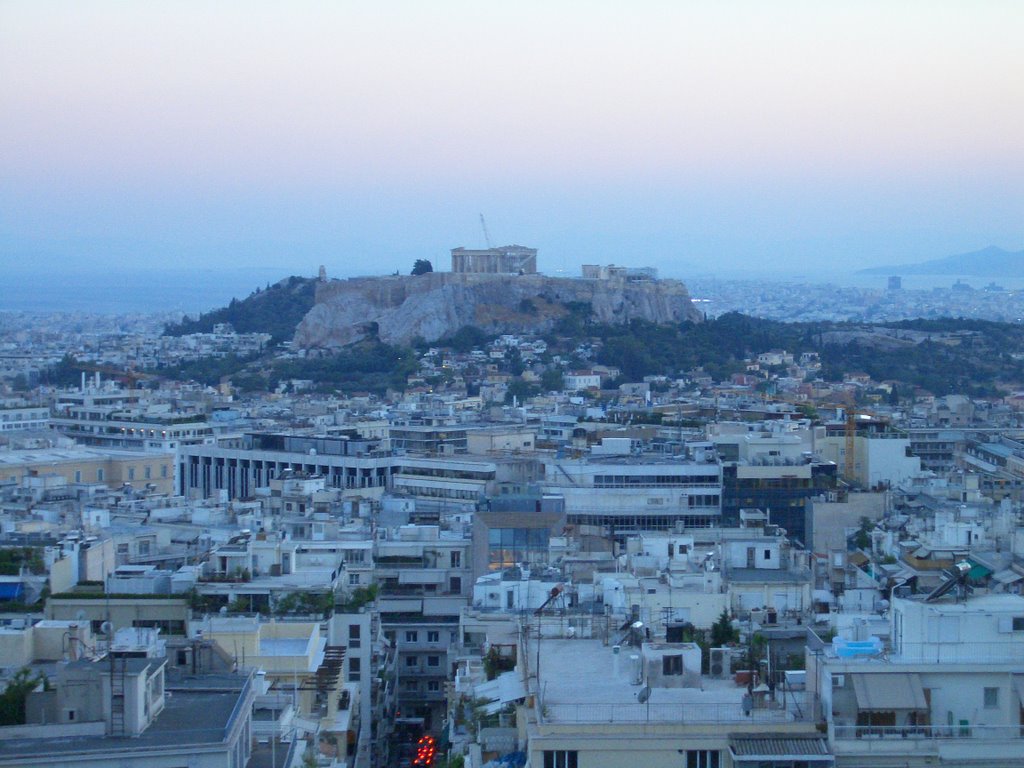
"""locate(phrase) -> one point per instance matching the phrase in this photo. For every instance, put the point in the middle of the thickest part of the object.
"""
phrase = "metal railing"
(962, 730)
(938, 653)
(803, 710)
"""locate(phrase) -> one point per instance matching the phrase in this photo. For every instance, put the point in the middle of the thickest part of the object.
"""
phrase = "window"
(354, 636)
(411, 661)
(561, 758)
(353, 579)
(78, 475)
(99, 475)
(1018, 623)
(147, 472)
(433, 636)
(433, 686)
(456, 559)
(412, 636)
(767, 554)
(455, 585)
(131, 473)
(412, 685)
(991, 698)
(163, 470)
(433, 661)
(354, 668)
(672, 665)
(703, 758)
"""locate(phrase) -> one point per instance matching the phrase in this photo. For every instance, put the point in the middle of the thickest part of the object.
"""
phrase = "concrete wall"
(63, 574)
(15, 647)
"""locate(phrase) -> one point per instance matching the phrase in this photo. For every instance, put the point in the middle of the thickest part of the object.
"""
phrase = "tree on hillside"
(422, 266)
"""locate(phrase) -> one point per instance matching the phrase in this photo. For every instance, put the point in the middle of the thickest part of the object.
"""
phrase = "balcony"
(423, 671)
(948, 744)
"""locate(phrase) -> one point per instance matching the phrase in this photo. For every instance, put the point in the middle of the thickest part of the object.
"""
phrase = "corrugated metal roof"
(775, 747)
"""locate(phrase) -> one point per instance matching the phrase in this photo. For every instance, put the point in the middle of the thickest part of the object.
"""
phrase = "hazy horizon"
(195, 290)
(688, 136)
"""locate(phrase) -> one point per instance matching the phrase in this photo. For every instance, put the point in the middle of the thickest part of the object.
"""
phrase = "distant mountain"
(988, 262)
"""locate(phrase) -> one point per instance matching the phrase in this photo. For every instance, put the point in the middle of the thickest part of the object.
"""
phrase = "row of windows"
(665, 522)
(413, 686)
(147, 473)
(414, 661)
(702, 500)
(432, 636)
(653, 481)
(519, 538)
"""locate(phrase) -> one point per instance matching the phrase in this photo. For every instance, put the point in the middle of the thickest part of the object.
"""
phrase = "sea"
(125, 292)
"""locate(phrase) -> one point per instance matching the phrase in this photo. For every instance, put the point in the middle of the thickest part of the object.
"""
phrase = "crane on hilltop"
(487, 235)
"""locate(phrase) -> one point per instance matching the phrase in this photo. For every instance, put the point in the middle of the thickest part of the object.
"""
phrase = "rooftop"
(580, 684)
(199, 710)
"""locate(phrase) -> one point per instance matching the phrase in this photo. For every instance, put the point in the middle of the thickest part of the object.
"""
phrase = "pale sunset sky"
(697, 137)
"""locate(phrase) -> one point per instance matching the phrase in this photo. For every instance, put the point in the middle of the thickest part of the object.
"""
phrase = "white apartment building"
(634, 493)
(949, 691)
(22, 418)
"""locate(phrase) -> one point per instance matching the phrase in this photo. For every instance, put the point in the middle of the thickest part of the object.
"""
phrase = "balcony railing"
(682, 714)
(943, 653)
(962, 730)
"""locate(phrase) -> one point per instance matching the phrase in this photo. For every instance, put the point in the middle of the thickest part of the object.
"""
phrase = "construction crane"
(487, 236)
(851, 444)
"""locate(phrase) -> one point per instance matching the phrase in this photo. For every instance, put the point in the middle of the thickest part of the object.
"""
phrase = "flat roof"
(580, 684)
(191, 716)
(68, 455)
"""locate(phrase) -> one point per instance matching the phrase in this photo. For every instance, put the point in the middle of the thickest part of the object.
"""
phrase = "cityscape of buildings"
(771, 570)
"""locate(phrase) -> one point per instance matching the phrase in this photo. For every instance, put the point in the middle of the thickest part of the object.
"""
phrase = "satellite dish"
(644, 695)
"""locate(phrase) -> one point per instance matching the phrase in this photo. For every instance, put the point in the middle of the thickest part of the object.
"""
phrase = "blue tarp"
(12, 591)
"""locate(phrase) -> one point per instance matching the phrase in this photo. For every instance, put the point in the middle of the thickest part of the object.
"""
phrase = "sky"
(702, 138)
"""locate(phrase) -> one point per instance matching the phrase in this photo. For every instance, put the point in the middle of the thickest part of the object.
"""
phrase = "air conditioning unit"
(721, 663)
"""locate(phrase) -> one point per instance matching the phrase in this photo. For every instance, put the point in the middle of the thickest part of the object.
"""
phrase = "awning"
(1007, 576)
(421, 576)
(978, 571)
(505, 688)
(755, 749)
(888, 691)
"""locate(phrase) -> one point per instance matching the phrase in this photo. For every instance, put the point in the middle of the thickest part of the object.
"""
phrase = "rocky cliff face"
(439, 303)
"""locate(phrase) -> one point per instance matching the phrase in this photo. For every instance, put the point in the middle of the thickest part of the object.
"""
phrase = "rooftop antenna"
(487, 236)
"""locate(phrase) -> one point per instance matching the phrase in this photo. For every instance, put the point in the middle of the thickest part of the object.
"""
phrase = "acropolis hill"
(436, 304)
